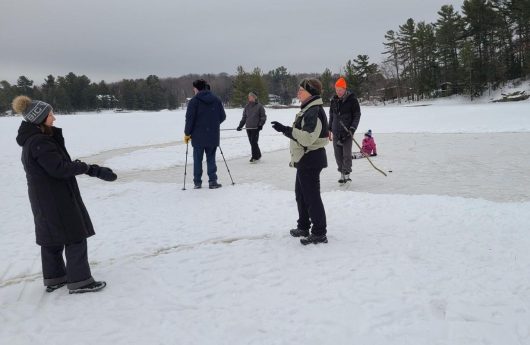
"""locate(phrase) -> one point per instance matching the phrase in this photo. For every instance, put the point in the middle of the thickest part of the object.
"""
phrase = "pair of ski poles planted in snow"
(186, 166)
(186, 161)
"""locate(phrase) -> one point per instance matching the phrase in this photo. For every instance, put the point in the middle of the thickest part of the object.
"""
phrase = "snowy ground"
(435, 253)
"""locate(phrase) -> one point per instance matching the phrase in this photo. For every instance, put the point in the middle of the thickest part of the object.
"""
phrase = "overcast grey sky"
(112, 40)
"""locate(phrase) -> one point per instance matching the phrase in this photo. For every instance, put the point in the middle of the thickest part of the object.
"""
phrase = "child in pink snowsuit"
(369, 149)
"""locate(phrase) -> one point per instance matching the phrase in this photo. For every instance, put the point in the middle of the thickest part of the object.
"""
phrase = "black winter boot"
(314, 239)
(52, 288)
(215, 185)
(92, 287)
(299, 232)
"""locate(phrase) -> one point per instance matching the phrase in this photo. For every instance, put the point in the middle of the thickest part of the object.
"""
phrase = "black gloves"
(239, 129)
(103, 173)
(278, 127)
(260, 127)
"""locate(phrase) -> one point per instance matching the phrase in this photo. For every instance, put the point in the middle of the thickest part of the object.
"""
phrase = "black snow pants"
(253, 137)
(76, 273)
(309, 202)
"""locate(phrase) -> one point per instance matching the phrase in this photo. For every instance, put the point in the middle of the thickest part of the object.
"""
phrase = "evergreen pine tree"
(25, 86)
(481, 23)
(407, 51)
(48, 90)
(427, 75)
(449, 39)
(257, 85)
(172, 102)
(328, 90)
(392, 50)
(7, 93)
(364, 72)
(241, 87)
(280, 82)
(349, 76)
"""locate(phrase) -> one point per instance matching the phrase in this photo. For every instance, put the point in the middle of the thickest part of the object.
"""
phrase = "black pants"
(76, 272)
(309, 202)
(253, 137)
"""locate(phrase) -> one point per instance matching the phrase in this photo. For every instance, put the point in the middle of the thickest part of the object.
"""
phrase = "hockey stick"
(360, 148)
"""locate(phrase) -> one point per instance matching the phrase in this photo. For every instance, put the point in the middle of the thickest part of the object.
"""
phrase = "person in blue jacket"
(204, 116)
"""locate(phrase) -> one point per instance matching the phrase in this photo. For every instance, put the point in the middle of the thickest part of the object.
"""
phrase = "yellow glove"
(187, 139)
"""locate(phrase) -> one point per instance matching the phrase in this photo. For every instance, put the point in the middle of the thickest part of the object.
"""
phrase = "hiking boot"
(347, 178)
(252, 160)
(342, 179)
(215, 185)
(299, 232)
(197, 186)
(314, 239)
(92, 287)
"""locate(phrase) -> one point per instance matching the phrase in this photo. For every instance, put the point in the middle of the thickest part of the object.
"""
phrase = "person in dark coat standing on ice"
(309, 136)
(61, 220)
(344, 111)
(253, 119)
(204, 116)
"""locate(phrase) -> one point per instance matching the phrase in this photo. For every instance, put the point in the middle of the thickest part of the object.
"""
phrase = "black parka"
(344, 109)
(58, 210)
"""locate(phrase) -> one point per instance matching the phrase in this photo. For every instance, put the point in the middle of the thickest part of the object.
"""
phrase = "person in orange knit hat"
(344, 112)
(341, 83)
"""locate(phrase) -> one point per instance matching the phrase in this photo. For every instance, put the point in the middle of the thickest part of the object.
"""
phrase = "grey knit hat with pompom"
(37, 112)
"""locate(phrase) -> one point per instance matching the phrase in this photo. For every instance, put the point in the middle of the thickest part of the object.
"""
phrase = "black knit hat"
(200, 84)
(313, 86)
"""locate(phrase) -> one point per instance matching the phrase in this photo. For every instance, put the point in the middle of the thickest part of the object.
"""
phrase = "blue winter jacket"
(204, 116)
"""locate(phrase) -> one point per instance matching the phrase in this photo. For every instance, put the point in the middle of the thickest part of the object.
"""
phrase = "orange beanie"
(341, 82)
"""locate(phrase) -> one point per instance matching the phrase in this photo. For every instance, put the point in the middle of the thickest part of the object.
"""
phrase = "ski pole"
(360, 148)
(229, 174)
(235, 129)
(185, 166)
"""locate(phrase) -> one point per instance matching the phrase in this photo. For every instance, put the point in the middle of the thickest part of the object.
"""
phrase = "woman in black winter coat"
(61, 219)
